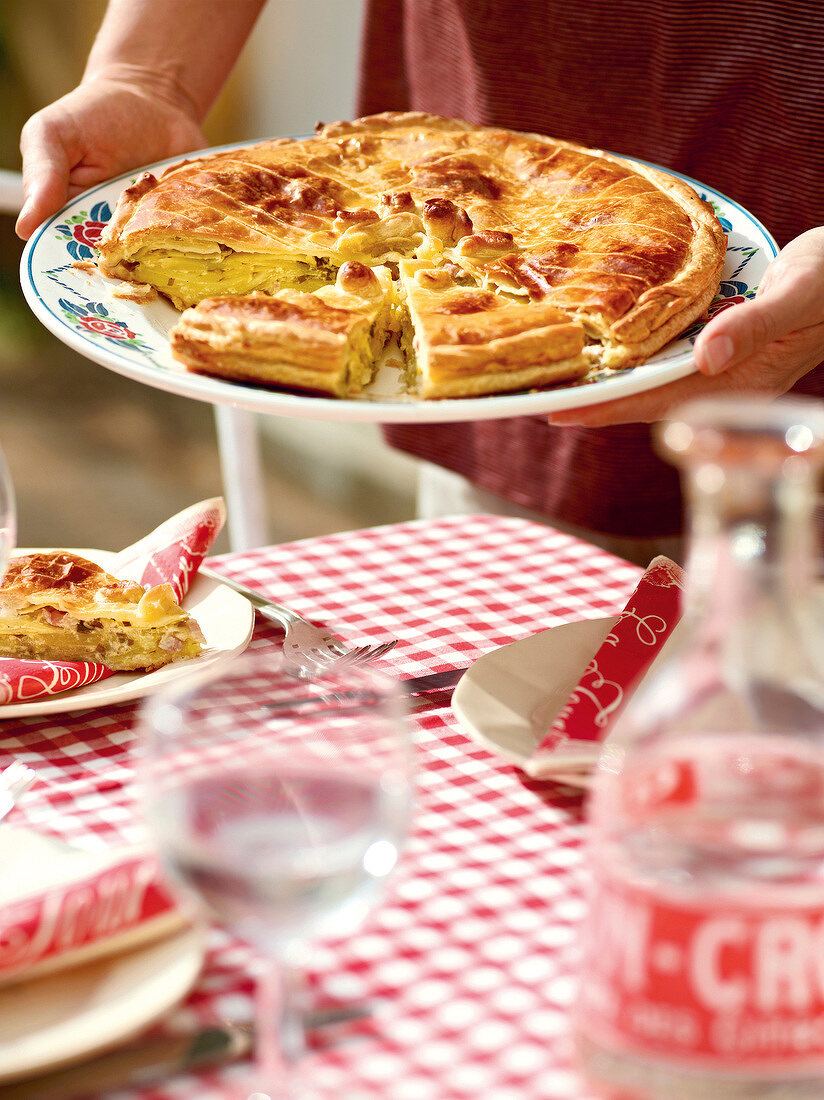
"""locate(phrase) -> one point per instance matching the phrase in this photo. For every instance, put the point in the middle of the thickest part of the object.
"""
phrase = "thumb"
(790, 298)
(46, 170)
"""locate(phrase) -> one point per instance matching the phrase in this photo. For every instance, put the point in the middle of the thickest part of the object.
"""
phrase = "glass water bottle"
(703, 949)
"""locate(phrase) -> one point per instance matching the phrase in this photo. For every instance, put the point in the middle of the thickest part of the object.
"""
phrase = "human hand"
(761, 346)
(100, 129)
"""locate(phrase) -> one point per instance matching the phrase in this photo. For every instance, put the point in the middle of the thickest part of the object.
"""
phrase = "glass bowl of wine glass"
(281, 805)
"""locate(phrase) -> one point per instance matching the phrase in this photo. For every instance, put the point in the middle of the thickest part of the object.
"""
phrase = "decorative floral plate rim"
(80, 307)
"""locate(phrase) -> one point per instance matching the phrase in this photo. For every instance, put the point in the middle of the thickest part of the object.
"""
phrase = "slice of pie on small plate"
(58, 606)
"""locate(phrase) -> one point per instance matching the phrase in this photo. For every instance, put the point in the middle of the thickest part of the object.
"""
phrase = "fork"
(14, 780)
(307, 648)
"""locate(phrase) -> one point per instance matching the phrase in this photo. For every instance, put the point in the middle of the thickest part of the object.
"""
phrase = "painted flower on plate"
(731, 292)
(81, 231)
(88, 233)
(93, 319)
(115, 329)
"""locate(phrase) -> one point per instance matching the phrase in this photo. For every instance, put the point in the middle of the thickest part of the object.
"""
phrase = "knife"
(159, 1058)
(431, 681)
(429, 689)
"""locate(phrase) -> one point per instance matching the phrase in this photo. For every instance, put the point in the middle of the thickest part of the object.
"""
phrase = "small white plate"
(81, 308)
(226, 619)
(67, 1016)
(508, 699)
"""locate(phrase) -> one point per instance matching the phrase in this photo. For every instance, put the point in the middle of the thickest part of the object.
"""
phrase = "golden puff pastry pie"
(58, 606)
(328, 340)
(630, 253)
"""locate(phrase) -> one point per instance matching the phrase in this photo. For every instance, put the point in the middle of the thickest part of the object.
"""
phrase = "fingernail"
(717, 353)
(23, 214)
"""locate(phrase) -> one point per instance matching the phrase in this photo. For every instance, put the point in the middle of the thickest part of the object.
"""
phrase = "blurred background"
(97, 459)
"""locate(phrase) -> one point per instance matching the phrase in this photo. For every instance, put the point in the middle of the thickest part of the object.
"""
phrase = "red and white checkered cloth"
(469, 959)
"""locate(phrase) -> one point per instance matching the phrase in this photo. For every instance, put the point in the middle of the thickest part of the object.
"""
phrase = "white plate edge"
(186, 967)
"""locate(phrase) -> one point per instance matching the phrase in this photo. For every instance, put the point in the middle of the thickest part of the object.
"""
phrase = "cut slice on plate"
(464, 340)
(58, 606)
(327, 340)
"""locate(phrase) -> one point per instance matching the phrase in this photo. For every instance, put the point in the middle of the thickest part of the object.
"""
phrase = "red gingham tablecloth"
(469, 959)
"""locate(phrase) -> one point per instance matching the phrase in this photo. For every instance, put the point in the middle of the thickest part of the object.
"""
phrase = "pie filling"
(406, 346)
(109, 642)
(189, 277)
(364, 349)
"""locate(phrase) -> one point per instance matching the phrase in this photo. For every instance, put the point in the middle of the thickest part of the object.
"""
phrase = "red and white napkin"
(171, 554)
(571, 746)
(61, 906)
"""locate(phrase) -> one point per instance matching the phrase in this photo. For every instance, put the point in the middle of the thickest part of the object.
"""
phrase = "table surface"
(469, 958)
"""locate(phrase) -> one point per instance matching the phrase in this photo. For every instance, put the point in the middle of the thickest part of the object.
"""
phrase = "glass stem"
(280, 1034)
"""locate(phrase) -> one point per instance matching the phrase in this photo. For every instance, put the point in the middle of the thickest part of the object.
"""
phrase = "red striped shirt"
(732, 95)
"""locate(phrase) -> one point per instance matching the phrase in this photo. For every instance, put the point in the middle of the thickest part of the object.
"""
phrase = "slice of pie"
(627, 252)
(465, 341)
(57, 606)
(327, 340)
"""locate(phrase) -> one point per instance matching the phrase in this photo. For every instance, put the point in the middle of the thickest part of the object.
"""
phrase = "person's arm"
(762, 346)
(152, 74)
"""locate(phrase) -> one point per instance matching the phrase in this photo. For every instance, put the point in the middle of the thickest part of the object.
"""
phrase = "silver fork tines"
(364, 653)
(307, 648)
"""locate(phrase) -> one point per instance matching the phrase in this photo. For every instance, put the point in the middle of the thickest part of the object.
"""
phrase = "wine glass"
(7, 516)
(282, 803)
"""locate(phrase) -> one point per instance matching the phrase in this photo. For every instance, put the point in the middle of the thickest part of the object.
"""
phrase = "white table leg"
(242, 469)
(11, 191)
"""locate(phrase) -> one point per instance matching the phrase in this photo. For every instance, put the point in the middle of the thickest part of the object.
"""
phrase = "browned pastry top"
(628, 251)
(528, 213)
(69, 583)
(66, 576)
(305, 310)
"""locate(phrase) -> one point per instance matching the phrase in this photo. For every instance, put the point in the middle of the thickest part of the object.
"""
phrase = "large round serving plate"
(84, 310)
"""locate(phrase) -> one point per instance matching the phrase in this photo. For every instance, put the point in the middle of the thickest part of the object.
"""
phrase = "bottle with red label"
(702, 969)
